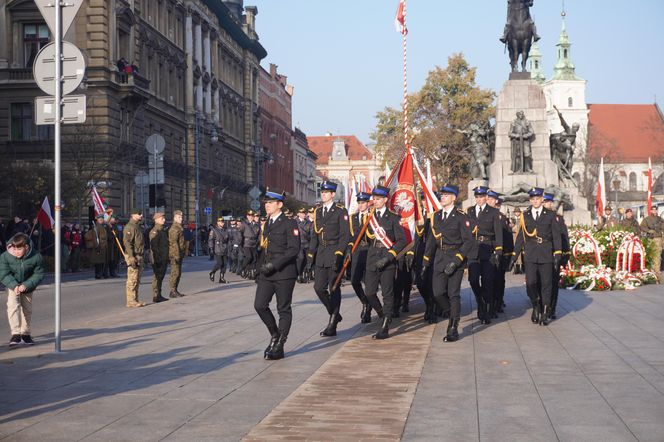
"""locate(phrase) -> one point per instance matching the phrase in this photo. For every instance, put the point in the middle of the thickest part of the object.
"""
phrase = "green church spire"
(535, 64)
(564, 68)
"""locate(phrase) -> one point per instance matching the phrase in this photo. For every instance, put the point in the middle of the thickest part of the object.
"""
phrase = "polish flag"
(649, 200)
(400, 19)
(352, 202)
(44, 216)
(402, 194)
(600, 196)
(431, 203)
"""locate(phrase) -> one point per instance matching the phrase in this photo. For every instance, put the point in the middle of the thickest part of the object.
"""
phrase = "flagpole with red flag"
(649, 199)
(600, 195)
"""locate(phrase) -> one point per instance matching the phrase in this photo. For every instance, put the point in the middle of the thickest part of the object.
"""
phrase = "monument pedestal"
(525, 94)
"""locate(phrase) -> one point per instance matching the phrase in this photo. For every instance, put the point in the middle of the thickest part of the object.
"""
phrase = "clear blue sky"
(344, 56)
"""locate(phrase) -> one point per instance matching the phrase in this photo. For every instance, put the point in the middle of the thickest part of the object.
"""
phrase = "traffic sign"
(255, 205)
(73, 68)
(155, 144)
(254, 193)
(69, 10)
(73, 109)
(208, 210)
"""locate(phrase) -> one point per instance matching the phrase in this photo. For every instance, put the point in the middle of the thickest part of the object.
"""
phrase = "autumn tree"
(449, 100)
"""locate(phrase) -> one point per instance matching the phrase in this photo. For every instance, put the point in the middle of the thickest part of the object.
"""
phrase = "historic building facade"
(304, 177)
(186, 70)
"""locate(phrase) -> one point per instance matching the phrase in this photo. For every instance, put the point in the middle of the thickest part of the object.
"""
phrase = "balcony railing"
(127, 79)
(20, 74)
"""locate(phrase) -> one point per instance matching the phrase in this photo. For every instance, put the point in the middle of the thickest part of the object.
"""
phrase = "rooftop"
(355, 149)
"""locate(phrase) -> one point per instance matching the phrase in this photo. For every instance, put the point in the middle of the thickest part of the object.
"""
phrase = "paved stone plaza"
(191, 369)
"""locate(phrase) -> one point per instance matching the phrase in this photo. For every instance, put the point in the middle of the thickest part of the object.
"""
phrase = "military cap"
(263, 218)
(274, 195)
(311, 210)
(250, 212)
(177, 212)
(301, 210)
(381, 191)
(611, 208)
(221, 219)
(329, 186)
(628, 210)
(158, 215)
(136, 211)
(492, 194)
(450, 188)
(536, 191)
(363, 196)
(548, 197)
(480, 190)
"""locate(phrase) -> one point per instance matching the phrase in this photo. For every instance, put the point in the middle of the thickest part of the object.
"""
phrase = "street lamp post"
(197, 165)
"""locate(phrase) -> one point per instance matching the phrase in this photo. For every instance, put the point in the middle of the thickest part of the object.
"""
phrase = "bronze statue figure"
(519, 32)
(522, 135)
(479, 148)
(563, 145)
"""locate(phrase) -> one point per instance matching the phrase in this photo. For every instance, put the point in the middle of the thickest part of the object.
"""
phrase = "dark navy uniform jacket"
(487, 230)
(539, 240)
(280, 244)
(448, 240)
(390, 222)
(355, 227)
(330, 236)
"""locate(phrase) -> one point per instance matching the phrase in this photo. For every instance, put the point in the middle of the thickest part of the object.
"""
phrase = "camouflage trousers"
(176, 273)
(133, 281)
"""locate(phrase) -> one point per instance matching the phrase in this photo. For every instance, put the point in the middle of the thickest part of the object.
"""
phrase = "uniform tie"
(536, 215)
(324, 211)
(269, 223)
(444, 215)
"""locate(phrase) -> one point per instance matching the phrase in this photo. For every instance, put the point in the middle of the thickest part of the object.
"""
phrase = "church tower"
(535, 64)
(567, 92)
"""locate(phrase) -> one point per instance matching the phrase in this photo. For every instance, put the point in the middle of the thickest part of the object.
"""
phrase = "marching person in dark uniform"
(564, 242)
(218, 240)
(249, 230)
(159, 255)
(386, 239)
(279, 246)
(449, 242)
(328, 246)
(235, 247)
(177, 250)
(540, 241)
(358, 261)
(414, 258)
(508, 252)
(309, 267)
(302, 224)
(487, 255)
(403, 284)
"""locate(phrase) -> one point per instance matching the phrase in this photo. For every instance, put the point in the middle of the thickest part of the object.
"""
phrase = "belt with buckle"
(444, 247)
(483, 238)
(329, 243)
(378, 244)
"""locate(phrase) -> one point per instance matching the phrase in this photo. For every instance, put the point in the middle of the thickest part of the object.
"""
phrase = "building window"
(536, 64)
(570, 102)
(632, 181)
(21, 117)
(35, 37)
(565, 53)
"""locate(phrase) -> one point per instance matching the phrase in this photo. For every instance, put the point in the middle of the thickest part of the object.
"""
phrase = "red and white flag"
(600, 196)
(649, 200)
(402, 194)
(431, 203)
(400, 19)
(44, 216)
(100, 205)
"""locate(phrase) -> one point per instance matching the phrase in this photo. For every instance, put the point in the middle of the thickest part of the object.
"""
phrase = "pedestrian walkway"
(191, 369)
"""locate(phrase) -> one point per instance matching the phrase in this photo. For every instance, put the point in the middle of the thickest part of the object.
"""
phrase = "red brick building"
(275, 155)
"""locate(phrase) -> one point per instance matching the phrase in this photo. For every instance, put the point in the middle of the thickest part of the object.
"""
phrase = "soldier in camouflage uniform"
(652, 226)
(176, 251)
(132, 239)
(159, 254)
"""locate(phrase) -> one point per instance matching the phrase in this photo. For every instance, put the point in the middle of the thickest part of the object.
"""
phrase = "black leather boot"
(222, 280)
(159, 299)
(452, 331)
(331, 329)
(363, 312)
(384, 331)
(212, 276)
(534, 316)
(270, 346)
(366, 314)
(544, 316)
(277, 351)
(486, 313)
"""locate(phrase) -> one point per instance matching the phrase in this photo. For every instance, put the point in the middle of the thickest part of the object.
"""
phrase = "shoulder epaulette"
(461, 211)
(341, 206)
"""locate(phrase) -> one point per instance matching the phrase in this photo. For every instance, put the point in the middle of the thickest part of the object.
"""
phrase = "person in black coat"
(540, 241)
(218, 242)
(414, 262)
(487, 254)
(448, 245)
(564, 243)
(279, 244)
(329, 244)
(386, 239)
(508, 252)
(303, 224)
(358, 262)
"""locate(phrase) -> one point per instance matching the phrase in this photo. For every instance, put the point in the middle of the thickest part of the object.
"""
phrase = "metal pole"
(196, 217)
(58, 197)
(155, 174)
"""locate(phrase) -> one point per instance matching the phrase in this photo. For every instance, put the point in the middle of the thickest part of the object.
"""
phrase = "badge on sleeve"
(345, 217)
(467, 223)
(296, 232)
